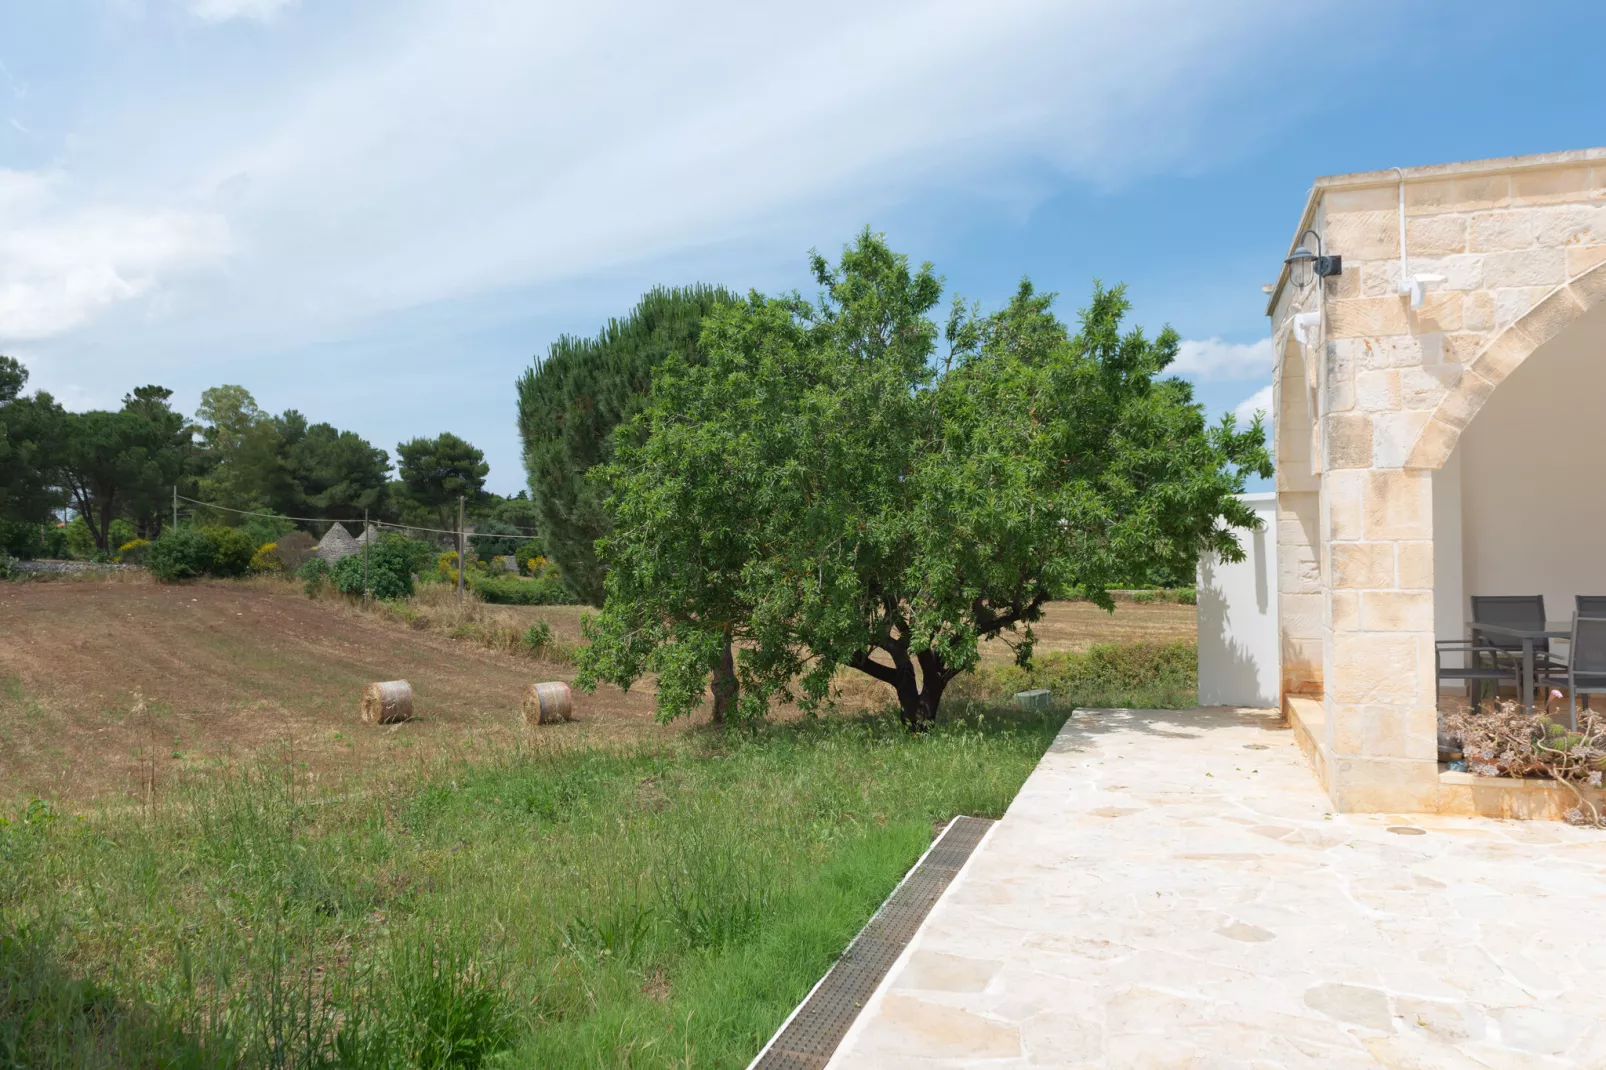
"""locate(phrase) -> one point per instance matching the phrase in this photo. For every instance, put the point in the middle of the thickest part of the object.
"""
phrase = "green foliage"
(232, 550)
(576, 907)
(265, 529)
(181, 553)
(253, 460)
(315, 575)
(529, 558)
(829, 492)
(23, 539)
(436, 471)
(513, 591)
(133, 552)
(570, 403)
(1146, 675)
(31, 433)
(81, 538)
(539, 636)
(266, 559)
(123, 462)
(392, 560)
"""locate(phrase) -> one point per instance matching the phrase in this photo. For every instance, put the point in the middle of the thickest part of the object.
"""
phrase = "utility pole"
(462, 555)
(175, 506)
(365, 541)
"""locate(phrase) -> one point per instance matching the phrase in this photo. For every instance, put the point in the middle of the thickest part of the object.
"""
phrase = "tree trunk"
(920, 697)
(725, 685)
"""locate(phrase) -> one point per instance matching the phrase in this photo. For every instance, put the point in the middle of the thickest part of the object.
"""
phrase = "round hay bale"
(390, 702)
(548, 703)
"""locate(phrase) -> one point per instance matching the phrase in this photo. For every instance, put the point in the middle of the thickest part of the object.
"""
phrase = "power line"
(326, 520)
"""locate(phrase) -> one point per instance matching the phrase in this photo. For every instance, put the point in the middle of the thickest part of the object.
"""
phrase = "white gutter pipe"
(1411, 285)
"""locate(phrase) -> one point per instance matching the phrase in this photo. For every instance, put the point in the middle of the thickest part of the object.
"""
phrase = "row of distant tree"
(122, 465)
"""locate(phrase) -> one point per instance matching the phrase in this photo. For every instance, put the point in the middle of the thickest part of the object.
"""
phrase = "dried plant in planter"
(1506, 741)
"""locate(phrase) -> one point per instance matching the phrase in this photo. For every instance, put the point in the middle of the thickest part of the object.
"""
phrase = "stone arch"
(1293, 419)
(1499, 358)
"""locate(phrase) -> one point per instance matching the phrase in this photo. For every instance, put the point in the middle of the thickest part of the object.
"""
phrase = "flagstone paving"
(1170, 889)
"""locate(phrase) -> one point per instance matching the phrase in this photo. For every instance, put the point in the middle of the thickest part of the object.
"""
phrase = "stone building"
(1435, 414)
(337, 543)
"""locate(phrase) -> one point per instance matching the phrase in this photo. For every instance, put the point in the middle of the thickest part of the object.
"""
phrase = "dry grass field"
(111, 689)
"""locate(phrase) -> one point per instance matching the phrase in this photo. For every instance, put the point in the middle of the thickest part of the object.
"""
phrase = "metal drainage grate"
(808, 1041)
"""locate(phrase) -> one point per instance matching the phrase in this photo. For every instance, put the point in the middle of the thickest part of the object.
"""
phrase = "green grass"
(1156, 676)
(652, 907)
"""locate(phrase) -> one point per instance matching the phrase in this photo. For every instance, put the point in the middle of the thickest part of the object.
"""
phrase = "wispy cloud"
(1214, 360)
(63, 260)
(437, 150)
(226, 10)
(1259, 401)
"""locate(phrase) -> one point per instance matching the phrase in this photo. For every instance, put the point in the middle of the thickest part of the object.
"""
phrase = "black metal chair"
(1591, 605)
(1586, 665)
(1483, 664)
(1515, 611)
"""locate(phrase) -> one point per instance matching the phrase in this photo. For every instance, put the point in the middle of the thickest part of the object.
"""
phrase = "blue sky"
(378, 213)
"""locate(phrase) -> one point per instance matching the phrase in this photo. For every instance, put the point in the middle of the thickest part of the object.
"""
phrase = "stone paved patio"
(1166, 893)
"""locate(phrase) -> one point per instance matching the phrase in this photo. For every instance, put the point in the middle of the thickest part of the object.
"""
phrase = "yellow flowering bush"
(266, 558)
(133, 551)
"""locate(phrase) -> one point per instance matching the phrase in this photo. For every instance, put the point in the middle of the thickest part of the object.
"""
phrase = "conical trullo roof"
(370, 533)
(336, 543)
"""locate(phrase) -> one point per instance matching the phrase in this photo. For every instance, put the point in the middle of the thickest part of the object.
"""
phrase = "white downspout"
(1412, 286)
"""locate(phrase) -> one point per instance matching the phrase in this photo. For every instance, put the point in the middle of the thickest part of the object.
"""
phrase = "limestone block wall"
(1519, 249)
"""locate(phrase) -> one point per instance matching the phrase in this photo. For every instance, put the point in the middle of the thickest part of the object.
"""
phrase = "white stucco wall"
(1238, 640)
(1533, 496)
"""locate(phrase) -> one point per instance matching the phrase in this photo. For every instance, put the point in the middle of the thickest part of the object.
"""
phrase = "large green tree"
(437, 471)
(122, 463)
(30, 443)
(830, 493)
(337, 474)
(172, 453)
(570, 403)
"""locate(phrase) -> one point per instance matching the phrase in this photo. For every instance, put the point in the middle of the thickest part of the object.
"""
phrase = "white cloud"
(225, 10)
(62, 262)
(1213, 359)
(1259, 401)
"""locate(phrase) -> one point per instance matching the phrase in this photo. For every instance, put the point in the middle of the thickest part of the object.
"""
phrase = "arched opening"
(1299, 567)
(1517, 504)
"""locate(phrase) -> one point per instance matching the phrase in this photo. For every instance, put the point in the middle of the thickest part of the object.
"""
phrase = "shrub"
(266, 559)
(232, 550)
(264, 529)
(509, 591)
(293, 550)
(133, 551)
(21, 540)
(390, 570)
(315, 575)
(180, 554)
(529, 558)
(1187, 596)
(539, 636)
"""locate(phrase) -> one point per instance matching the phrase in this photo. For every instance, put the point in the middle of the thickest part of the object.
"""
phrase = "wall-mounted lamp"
(1303, 262)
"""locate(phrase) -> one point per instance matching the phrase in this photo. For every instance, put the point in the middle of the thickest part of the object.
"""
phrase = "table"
(1553, 629)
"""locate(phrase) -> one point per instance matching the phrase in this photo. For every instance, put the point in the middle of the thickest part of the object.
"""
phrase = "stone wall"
(1520, 245)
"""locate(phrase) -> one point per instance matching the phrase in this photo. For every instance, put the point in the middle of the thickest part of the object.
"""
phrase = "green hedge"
(510, 591)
